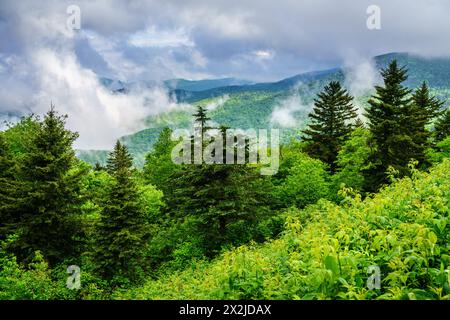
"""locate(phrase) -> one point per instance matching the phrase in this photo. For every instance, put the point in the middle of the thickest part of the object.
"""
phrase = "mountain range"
(243, 104)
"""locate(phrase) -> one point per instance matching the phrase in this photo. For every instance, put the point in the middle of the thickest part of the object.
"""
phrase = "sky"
(42, 60)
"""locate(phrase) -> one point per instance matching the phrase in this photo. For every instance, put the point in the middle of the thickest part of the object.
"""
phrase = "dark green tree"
(442, 126)
(201, 119)
(98, 167)
(122, 231)
(10, 187)
(227, 200)
(331, 123)
(359, 123)
(421, 112)
(50, 218)
(392, 145)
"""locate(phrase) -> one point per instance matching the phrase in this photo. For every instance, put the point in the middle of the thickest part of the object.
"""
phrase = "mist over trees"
(350, 192)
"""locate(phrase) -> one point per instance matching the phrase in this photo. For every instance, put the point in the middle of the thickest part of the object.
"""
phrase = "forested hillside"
(325, 250)
(353, 196)
(251, 105)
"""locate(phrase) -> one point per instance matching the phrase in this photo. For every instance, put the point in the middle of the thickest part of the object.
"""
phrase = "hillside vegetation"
(357, 209)
(326, 249)
(251, 105)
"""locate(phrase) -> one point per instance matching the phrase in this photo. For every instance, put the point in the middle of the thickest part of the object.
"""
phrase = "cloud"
(45, 69)
(264, 54)
(152, 37)
(284, 114)
(197, 37)
(360, 77)
(42, 61)
(219, 102)
(99, 115)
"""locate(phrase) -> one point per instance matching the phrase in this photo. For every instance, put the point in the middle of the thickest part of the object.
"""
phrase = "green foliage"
(423, 109)
(326, 250)
(36, 281)
(122, 231)
(440, 152)
(224, 231)
(51, 207)
(10, 195)
(227, 201)
(388, 111)
(19, 284)
(442, 126)
(333, 109)
(19, 135)
(306, 182)
(151, 198)
(352, 160)
(158, 163)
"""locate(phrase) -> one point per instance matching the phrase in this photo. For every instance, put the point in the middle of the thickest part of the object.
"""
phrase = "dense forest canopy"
(355, 191)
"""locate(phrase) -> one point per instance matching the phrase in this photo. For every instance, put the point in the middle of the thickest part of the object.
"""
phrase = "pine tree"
(392, 145)
(359, 123)
(123, 229)
(201, 119)
(98, 167)
(220, 197)
(442, 126)
(330, 126)
(50, 215)
(423, 109)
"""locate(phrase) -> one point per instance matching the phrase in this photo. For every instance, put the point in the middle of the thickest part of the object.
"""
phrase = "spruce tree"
(226, 200)
(123, 229)
(201, 118)
(50, 219)
(359, 123)
(442, 126)
(331, 123)
(423, 109)
(387, 114)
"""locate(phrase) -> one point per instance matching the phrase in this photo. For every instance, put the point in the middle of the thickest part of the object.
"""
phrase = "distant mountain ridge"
(250, 105)
(201, 85)
(119, 86)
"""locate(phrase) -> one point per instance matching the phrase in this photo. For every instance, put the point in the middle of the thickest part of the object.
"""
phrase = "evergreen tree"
(423, 109)
(123, 229)
(330, 126)
(442, 126)
(359, 123)
(98, 167)
(51, 210)
(227, 201)
(391, 142)
(201, 119)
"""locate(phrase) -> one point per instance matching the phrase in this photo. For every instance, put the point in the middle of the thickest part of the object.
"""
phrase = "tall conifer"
(331, 123)
(50, 219)
(122, 232)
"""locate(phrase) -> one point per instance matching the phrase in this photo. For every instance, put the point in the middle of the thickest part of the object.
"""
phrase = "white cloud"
(284, 113)
(264, 54)
(99, 115)
(361, 76)
(218, 102)
(109, 50)
(152, 37)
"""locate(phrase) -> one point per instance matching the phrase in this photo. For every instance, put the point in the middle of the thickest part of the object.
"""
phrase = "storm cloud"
(42, 61)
